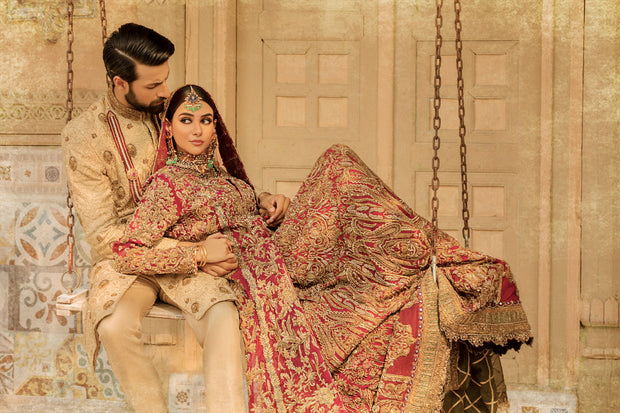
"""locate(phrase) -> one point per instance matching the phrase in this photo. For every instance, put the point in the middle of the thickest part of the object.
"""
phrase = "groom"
(109, 152)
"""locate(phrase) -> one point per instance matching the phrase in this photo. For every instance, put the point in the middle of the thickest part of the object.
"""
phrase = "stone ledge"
(34, 404)
(523, 400)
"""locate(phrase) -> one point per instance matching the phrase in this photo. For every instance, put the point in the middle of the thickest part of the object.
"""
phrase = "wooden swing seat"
(74, 303)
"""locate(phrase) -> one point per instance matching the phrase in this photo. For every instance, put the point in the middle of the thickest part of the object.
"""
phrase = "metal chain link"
(104, 21)
(436, 122)
(436, 140)
(70, 236)
(462, 130)
(69, 104)
(70, 217)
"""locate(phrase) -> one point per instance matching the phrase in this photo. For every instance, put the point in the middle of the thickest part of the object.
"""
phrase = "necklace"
(203, 163)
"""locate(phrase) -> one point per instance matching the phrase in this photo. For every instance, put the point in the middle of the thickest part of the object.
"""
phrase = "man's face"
(149, 91)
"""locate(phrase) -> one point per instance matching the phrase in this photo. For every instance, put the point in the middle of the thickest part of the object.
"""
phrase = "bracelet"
(203, 251)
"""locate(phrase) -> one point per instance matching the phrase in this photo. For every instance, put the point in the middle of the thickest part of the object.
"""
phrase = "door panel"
(304, 75)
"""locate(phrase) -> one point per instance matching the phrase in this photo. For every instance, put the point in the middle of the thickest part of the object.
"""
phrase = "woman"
(338, 309)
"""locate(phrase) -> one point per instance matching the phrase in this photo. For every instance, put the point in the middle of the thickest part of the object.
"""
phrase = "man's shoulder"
(92, 118)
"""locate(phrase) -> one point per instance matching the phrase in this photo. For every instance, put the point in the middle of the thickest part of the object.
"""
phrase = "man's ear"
(120, 84)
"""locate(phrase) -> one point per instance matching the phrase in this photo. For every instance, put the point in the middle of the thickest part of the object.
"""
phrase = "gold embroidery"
(108, 157)
(119, 191)
(358, 257)
(131, 149)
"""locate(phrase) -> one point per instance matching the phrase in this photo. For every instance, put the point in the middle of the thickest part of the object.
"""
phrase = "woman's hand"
(273, 207)
(220, 258)
(221, 268)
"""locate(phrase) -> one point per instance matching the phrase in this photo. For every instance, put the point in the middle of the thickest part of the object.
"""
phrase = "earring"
(211, 152)
(172, 153)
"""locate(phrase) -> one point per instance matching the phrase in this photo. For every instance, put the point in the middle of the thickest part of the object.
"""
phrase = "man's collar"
(125, 111)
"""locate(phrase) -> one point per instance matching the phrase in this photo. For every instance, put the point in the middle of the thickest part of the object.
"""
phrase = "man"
(109, 153)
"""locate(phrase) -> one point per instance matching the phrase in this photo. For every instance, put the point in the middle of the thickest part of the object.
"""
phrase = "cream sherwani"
(101, 194)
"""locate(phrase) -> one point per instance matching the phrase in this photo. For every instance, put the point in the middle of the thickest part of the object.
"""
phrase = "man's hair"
(133, 43)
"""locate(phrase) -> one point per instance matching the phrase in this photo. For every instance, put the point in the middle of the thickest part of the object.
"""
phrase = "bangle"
(203, 252)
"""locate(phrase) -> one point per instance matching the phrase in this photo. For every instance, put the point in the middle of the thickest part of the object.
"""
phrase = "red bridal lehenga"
(338, 308)
(393, 340)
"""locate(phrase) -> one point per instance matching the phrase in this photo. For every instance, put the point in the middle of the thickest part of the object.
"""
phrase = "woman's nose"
(197, 129)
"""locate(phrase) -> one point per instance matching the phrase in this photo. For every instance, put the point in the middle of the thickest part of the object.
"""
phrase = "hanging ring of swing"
(71, 280)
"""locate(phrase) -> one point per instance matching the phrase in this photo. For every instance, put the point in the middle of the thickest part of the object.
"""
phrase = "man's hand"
(273, 208)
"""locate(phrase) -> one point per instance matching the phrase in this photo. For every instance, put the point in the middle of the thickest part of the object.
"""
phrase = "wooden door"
(306, 79)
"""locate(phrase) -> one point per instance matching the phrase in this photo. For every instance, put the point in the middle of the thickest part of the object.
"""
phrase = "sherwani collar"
(123, 110)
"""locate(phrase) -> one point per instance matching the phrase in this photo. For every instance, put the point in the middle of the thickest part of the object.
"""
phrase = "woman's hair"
(133, 43)
(227, 149)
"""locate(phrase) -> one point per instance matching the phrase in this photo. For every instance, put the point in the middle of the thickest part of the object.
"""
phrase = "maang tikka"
(192, 100)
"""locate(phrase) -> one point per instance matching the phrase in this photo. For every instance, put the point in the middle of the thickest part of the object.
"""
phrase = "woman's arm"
(160, 208)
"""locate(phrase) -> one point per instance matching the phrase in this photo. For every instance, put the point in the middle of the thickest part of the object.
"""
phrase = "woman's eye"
(206, 121)
(186, 120)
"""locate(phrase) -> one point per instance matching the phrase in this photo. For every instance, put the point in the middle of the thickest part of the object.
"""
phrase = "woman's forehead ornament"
(192, 100)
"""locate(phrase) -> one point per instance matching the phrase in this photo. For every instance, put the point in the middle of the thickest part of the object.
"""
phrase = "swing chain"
(76, 281)
(69, 104)
(104, 21)
(436, 140)
(436, 121)
(462, 130)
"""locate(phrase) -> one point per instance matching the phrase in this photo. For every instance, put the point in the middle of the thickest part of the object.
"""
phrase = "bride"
(337, 308)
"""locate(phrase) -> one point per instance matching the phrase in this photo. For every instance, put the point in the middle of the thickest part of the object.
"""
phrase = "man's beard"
(155, 106)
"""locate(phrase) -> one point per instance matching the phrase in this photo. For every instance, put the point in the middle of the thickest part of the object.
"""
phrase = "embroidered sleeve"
(159, 209)
(90, 190)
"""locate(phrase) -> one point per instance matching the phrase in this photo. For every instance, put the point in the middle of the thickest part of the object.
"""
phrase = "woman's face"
(193, 131)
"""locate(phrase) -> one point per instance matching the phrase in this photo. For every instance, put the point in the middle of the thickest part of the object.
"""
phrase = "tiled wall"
(40, 352)
(42, 357)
